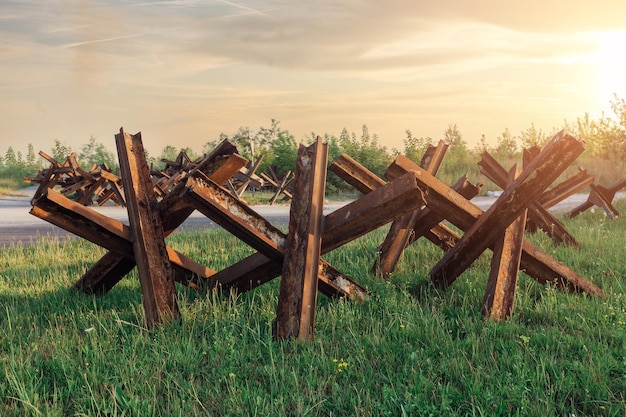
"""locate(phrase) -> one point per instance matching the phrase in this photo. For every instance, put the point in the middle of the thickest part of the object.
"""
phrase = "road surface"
(18, 226)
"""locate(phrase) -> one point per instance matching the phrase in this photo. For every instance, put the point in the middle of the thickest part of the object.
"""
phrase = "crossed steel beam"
(204, 193)
(602, 197)
(537, 213)
(455, 208)
(413, 194)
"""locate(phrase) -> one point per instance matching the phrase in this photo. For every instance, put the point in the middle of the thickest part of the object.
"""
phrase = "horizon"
(182, 72)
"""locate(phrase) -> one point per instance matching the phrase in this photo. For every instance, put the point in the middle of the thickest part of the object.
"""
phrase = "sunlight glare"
(611, 61)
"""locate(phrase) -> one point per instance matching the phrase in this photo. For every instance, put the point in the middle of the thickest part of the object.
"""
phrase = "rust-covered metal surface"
(421, 223)
(371, 211)
(153, 264)
(355, 174)
(109, 233)
(245, 178)
(463, 214)
(413, 199)
(401, 229)
(602, 197)
(499, 296)
(346, 224)
(220, 164)
(280, 184)
(253, 229)
(557, 155)
(236, 217)
(366, 181)
(537, 214)
(433, 157)
(297, 300)
(98, 184)
(566, 188)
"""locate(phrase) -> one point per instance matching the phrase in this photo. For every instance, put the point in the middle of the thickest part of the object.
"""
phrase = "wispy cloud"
(114, 38)
(198, 62)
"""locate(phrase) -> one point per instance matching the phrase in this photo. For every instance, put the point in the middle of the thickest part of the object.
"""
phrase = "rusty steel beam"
(348, 223)
(566, 188)
(505, 263)
(401, 229)
(155, 269)
(371, 211)
(430, 218)
(424, 220)
(406, 229)
(552, 226)
(257, 269)
(537, 214)
(281, 188)
(220, 164)
(458, 210)
(250, 227)
(235, 217)
(602, 197)
(559, 153)
(442, 236)
(109, 233)
(247, 176)
(529, 154)
(396, 241)
(366, 181)
(433, 157)
(355, 174)
(463, 214)
(297, 300)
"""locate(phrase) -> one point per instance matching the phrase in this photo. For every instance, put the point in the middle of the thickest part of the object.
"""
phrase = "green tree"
(453, 137)
(60, 152)
(10, 158)
(506, 146)
(169, 152)
(483, 146)
(586, 129)
(618, 105)
(31, 157)
(458, 160)
(618, 143)
(284, 151)
(266, 135)
(533, 137)
(243, 139)
(95, 153)
(191, 154)
(366, 150)
(414, 147)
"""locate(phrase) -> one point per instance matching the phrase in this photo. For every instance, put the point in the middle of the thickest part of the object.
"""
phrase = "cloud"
(358, 37)
(230, 61)
(364, 38)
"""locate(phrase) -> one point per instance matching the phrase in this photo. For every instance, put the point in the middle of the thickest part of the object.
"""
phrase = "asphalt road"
(18, 226)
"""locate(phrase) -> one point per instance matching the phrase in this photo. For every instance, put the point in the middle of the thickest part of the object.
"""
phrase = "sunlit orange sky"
(183, 71)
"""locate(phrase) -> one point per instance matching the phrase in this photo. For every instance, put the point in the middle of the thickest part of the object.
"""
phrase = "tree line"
(605, 138)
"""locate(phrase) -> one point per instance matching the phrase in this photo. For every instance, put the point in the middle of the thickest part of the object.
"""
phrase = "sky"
(182, 72)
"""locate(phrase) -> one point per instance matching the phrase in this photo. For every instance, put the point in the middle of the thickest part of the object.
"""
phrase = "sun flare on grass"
(611, 62)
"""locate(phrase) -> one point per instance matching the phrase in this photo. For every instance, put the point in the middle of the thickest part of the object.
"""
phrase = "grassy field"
(410, 350)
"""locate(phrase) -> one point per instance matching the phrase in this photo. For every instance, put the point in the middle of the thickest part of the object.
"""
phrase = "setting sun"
(611, 62)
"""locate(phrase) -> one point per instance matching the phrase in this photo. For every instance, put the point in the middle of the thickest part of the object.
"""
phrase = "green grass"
(264, 197)
(9, 185)
(12, 178)
(410, 350)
